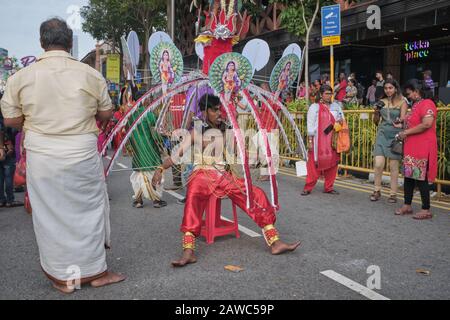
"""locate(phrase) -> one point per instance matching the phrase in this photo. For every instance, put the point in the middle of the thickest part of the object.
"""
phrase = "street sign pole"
(331, 34)
(332, 71)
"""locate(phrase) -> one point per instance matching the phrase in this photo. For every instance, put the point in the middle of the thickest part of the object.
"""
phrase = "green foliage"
(298, 105)
(253, 9)
(146, 13)
(353, 106)
(105, 20)
(110, 19)
(291, 17)
(443, 125)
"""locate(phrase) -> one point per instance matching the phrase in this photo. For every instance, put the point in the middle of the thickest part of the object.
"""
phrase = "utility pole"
(171, 20)
(97, 57)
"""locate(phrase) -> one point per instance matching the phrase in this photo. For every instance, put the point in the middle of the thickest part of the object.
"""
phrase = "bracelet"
(161, 167)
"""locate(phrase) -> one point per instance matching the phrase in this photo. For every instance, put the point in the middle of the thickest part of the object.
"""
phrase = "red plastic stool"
(213, 226)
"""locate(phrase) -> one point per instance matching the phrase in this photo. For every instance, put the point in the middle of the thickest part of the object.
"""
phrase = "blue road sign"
(331, 21)
(138, 77)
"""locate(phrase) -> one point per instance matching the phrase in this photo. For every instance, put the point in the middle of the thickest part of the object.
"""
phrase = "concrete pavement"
(345, 233)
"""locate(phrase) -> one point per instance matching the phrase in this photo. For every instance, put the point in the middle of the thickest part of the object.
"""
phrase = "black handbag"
(397, 146)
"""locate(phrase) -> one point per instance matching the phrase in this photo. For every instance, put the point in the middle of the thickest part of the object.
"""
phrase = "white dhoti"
(261, 155)
(68, 194)
(141, 181)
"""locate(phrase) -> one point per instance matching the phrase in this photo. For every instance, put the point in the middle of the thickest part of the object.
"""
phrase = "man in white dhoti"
(57, 101)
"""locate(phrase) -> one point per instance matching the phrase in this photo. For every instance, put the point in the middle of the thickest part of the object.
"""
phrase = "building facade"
(414, 37)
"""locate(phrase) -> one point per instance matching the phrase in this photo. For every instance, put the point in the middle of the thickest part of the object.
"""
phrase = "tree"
(299, 18)
(109, 20)
(146, 16)
(104, 20)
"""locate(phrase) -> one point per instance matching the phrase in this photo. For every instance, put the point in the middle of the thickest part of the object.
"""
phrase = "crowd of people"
(406, 137)
(65, 177)
(10, 153)
(349, 91)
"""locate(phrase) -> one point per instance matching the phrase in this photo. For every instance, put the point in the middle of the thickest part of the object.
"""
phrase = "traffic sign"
(331, 32)
(138, 77)
(331, 20)
(331, 41)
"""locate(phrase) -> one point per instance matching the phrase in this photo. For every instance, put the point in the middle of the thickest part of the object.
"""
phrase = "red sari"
(420, 150)
(342, 90)
(268, 120)
(327, 157)
(117, 140)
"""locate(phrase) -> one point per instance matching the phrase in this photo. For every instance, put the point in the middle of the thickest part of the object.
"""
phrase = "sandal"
(305, 193)
(159, 204)
(392, 199)
(138, 204)
(376, 195)
(422, 215)
(403, 211)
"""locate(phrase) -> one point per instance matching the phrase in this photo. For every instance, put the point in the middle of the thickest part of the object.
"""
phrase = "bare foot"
(188, 257)
(423, 214)
(63, 288)
(405, 209)
(108, 278)
(279, 247)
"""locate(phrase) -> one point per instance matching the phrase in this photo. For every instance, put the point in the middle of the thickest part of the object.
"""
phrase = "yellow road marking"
(361, 188)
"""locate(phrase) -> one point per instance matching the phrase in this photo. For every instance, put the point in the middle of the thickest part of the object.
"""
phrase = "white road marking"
(122, 165)
(241, 228)
(368, 293)
(118, 163)
(176, 195)
(245, 230)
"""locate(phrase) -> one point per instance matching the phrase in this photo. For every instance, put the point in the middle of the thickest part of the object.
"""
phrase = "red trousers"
(204, 183)
(314, 175)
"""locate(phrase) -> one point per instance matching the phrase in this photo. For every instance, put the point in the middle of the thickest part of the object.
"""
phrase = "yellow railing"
(363, 133)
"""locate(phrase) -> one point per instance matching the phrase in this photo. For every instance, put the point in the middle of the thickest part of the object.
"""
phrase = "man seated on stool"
(211, 177)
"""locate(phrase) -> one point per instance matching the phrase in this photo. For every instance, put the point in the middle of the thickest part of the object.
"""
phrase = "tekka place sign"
(417, 50)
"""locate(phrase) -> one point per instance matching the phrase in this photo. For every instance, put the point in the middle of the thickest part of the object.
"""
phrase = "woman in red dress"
(118, 115)
(420, 150)
(126, 102)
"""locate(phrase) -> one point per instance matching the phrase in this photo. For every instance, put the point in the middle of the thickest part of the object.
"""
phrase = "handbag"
(20, 176)
(397, 146)
(343, 139)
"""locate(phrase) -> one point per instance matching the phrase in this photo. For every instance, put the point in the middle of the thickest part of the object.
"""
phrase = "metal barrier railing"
(363, 133)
